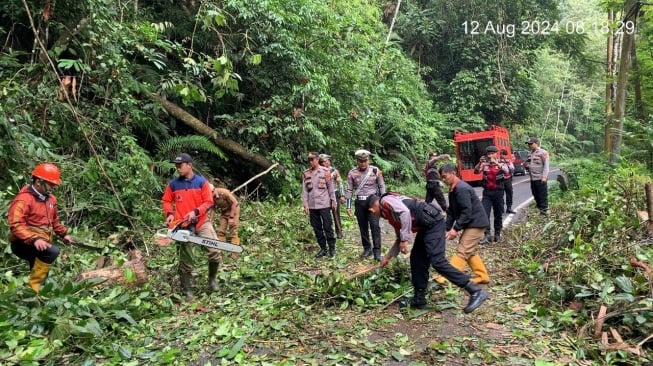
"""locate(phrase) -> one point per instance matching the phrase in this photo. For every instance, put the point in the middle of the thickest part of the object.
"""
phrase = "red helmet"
(48, 172)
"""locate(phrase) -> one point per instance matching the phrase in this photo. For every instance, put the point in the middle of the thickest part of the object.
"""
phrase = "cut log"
(129, 274)
(363, 272)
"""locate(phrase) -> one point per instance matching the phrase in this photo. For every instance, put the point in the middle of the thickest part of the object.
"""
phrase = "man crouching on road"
(408, 215)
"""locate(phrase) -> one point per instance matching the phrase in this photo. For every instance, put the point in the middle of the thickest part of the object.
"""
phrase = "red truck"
(470, 146)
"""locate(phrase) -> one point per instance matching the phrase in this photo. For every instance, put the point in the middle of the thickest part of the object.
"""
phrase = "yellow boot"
(38, 274)
(457, 262)
(476, 264)
(235, 240)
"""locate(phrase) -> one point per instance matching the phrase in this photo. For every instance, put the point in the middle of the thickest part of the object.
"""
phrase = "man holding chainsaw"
(33, 221)
(186, 200)
(411, 215)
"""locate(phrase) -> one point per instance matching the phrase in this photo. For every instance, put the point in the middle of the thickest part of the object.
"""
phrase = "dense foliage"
(583, 257)
(278, 305)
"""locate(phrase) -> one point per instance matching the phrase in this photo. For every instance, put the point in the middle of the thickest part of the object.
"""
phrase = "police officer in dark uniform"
(363, 181)
(410, 215)
(507, 182)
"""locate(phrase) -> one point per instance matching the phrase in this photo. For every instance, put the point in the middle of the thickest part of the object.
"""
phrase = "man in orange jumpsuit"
(33, 221)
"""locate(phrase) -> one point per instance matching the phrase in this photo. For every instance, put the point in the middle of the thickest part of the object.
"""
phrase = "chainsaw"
(185, 235)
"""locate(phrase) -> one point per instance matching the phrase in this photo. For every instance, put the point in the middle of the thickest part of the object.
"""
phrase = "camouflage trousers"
(187, 252)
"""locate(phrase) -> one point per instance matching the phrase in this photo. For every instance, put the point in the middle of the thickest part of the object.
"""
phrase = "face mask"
(40, 196)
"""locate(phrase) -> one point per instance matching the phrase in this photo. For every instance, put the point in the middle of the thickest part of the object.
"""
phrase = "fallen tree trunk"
(207, 131)
(115, 274)
(132, 272)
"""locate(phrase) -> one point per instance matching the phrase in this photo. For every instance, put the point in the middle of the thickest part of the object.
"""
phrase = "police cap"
(492, 148)
(362, 154)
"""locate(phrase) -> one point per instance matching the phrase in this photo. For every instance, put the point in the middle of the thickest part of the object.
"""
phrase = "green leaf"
(255, 59)
(236, 348)
(624, 283)
(122, 314)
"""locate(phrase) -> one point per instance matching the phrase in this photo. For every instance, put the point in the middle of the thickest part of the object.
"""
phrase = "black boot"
(510, 211)
(476, 297)
(185, 280)
(332, 250)
(339, 235)
(377, 255)
(366, 252)
(213, 273)
(418, 301)
(497, 238)
(486, 240)
(321, 253)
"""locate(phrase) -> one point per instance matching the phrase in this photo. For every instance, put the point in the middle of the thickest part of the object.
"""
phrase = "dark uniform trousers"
(323, 227)
(493, 200)
(429, 250)
(366, 221)
(507, 188)
(541, 195)
(30, 253)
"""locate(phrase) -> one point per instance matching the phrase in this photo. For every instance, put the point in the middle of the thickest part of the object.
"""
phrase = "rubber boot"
(477, 265)
(377, 255)
(457, 262)
(418, 301)
(38, 274)
(477, 297)
(185, 280)
(235, 240)
(213, 273)
(366, 253)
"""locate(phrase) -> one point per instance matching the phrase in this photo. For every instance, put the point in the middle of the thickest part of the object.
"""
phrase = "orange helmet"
(48, 172)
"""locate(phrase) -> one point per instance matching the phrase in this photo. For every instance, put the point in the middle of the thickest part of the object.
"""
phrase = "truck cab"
(470, 146)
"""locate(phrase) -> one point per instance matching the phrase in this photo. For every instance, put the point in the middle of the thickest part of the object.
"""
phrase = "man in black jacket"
(433, 188)
(467, 220)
